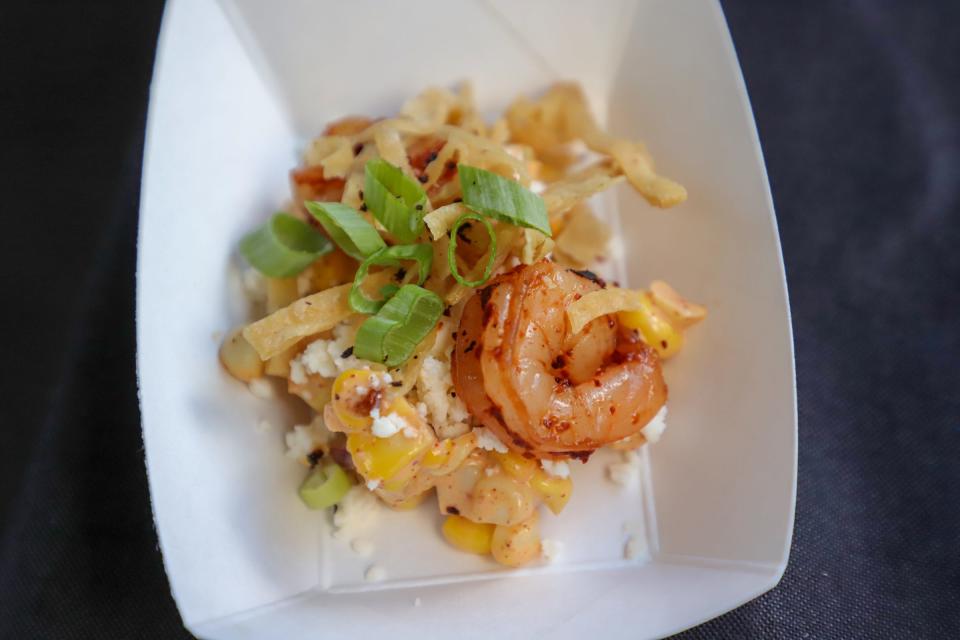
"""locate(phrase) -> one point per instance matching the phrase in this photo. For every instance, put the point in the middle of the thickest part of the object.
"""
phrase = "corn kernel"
(383, 458)
(446, 455)
(469, 536)
(353, 398)
(239, 357)
(654, 327)
(555, 491)
(516, 465)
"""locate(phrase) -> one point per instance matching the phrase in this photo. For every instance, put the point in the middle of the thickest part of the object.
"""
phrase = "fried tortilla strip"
(307, 316)
(283, 328)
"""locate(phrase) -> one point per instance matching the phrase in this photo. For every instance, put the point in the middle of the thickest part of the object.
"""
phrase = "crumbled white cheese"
(261, 388)
(373, 484)
(626, 473)
(487, 440)
(636, 547)
(491, 471)
(422, 409)
(254, 285)
(326, 357)
(380, 381)
(655, 428)
(558, 468)
(356, 512)
(304, 439)
(410, 432)
(299, 442)
(362, 547)
(360, 390)
(537, 186)
(297, 373)
(550, 549)
(446, 413)
(375, 573)
(388, 425)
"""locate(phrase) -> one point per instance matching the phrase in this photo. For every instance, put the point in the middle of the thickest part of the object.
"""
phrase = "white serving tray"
(239, 85)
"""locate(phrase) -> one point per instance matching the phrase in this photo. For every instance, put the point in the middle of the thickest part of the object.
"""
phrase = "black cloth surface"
(858, 108)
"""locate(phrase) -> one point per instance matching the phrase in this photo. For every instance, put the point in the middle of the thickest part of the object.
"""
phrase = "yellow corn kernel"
(517, 544)
(555, 491)
(383, 458)
(446, 455)
(654, 327)
(239, 357)
(516, 465)
(352, 406)
(681, 311)
(469, 536)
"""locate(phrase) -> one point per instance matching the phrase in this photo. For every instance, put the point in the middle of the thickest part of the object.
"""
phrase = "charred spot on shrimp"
(591, 276)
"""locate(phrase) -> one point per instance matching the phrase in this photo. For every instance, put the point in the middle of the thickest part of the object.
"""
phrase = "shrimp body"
(542, 389)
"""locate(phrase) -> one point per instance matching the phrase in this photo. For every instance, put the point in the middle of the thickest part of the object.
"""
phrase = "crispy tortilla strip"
(601, 303)
(584, 237)
(283, 328)
(432, 106)
(307, 316)
(536, 246)
(391, 148)
(333, 153)
(561, 196)
(563, 115)
(440, 220)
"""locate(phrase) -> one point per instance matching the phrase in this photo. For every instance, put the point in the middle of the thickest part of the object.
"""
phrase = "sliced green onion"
(503, 199)
(452, 250)
(349, 230)
(325, 486)
(422, 254)
(284, 246)
(391, 336)
(394, 199)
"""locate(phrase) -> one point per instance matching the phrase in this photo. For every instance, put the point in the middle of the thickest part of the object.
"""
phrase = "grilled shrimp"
(545, 391)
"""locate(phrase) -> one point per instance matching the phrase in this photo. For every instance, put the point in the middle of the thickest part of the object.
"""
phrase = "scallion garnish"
(395, 200)
(391, 336)
(284, 246)
(452, 250)
(422, 254)
(325, 486)
(347, 228)
(503, 199)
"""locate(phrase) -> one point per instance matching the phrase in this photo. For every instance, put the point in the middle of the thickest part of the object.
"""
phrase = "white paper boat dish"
(239, 86)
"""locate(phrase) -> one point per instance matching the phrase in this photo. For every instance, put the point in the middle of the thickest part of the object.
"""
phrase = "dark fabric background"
(857, 105)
